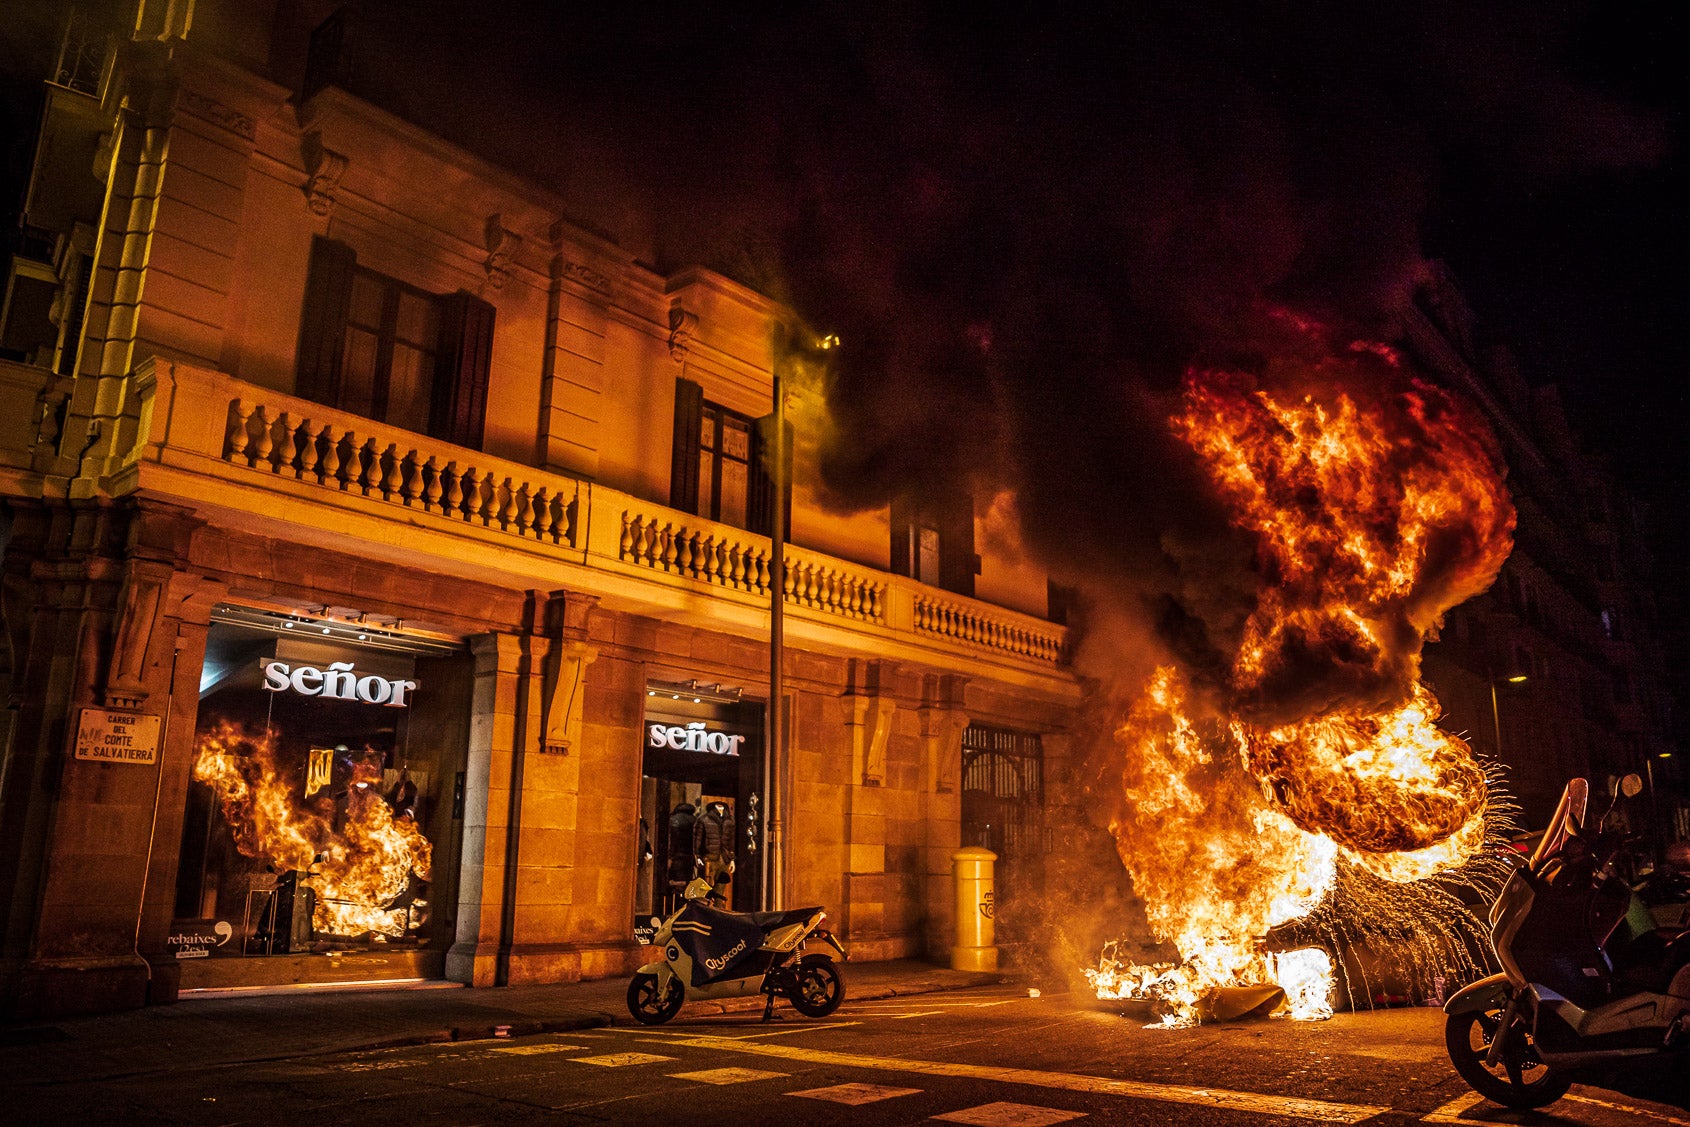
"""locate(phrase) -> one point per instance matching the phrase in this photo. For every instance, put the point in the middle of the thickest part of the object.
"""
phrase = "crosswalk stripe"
(855, 1095)
(617, 1060)
(1010, 1115)
(1321, 1111)
(726, 1075)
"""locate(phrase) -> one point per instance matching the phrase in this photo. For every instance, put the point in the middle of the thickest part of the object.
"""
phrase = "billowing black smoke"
(1027, 226)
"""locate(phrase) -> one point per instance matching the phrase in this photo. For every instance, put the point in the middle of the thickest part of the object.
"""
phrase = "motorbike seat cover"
(768, 921)
(716, 941)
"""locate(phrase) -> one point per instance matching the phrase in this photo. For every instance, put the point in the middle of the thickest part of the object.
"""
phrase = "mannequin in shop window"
(682, 864)
(713, 840)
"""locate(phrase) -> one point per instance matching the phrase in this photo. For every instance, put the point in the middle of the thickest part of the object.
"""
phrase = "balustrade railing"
(297, 441)
(349, 460)
(994, 630)
(729, 557)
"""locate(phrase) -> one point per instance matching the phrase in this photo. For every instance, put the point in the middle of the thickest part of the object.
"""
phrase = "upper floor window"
(387, 363)
(375, 346)
(933, 542)
(720, 470)
(724, 465)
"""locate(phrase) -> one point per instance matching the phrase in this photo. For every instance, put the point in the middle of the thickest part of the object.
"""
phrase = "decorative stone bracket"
(502, 245)
(144, 584)
(941, 740)
(869, 720)
(564, 689)
(682, 326)
(323, 169)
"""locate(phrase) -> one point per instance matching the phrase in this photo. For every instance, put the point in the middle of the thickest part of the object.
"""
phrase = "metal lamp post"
(775, 757)
(1496, 713)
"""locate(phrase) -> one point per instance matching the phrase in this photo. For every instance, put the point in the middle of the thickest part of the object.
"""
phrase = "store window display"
(321, 816)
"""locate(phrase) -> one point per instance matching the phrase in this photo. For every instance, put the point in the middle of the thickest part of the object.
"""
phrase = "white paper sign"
(117, 737)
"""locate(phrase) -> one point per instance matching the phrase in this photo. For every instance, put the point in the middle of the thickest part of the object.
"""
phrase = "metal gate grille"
(1003, 798)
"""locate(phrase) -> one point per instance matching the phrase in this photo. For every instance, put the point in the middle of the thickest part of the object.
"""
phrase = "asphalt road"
(992, 1056)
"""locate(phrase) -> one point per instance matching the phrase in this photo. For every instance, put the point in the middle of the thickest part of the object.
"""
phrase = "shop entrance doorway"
(701, 811)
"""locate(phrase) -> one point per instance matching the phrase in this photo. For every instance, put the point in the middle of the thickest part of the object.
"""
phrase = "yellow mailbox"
(975, 905)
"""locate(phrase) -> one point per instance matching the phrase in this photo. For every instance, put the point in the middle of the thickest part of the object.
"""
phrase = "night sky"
(1008, 213)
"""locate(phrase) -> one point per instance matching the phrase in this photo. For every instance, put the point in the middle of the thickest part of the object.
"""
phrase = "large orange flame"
(357, 869)
(1373, 503)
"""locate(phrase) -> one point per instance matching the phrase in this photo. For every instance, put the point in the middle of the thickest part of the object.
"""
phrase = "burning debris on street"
(1308, 758)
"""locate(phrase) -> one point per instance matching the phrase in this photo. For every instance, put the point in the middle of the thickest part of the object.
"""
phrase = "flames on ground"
(1310, 769)
(359, 862)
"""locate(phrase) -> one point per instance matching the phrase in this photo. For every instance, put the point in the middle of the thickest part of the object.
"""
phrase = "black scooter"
(1589, 983)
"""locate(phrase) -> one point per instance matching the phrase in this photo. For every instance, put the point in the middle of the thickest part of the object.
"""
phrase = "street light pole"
(1496, 720)
(774, 756)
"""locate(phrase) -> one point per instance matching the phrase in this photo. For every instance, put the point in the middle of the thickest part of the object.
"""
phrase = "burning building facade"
(387, 571)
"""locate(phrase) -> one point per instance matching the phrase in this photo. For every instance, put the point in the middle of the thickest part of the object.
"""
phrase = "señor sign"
(339, 681)
(696, 736)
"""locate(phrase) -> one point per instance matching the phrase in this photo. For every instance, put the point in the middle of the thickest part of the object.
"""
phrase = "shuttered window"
(933, 542)
(374, 346)
(721, 464)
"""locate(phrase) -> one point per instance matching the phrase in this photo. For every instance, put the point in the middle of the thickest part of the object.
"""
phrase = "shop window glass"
(321, 816)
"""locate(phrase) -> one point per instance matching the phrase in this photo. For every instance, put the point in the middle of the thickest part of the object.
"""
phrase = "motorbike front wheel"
(818, 987)
(1520, 1080)
(645, 1003)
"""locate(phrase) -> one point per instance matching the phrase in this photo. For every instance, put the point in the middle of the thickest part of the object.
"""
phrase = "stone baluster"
(328, 470)
(366, 467)
(392, 480)
(451, 490)
(542, 520)
(684, 553)
(309, 452)
(263, 443)
(627, 543)
(235, 438)
(410, 479)
(282, 454)
(525, 523)
(433, 487)
(668, 537)
(475, 496)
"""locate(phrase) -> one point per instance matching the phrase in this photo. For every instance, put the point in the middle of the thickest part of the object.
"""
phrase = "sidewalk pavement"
(231, 1030)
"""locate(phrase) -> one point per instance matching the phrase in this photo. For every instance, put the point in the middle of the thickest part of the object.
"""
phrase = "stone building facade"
(1561, 668)
(344, 470)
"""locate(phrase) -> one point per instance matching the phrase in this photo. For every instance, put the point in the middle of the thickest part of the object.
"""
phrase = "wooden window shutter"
(322, 327)
(462, 363)
(902, 516)
(683, 470)
(760, 506)
(957, 562)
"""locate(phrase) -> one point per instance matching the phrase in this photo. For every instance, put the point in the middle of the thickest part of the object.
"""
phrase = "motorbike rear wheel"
(1521, 1079)
(645, 1004)
(818, 987)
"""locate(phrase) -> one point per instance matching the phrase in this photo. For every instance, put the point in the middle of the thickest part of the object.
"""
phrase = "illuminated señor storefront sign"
(696, 736)
(339, 681)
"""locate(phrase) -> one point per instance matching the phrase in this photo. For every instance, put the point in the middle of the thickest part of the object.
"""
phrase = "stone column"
(473, 957)
(91, 595)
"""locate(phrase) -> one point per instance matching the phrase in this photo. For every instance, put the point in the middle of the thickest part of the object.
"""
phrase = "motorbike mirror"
(1631, 786)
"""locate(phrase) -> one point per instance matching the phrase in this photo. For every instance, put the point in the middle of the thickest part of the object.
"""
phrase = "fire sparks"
(1373, 503)
(359, 860)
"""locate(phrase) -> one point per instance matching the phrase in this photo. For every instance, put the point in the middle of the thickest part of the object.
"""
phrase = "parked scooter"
(712, 953)
(1589, 983)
